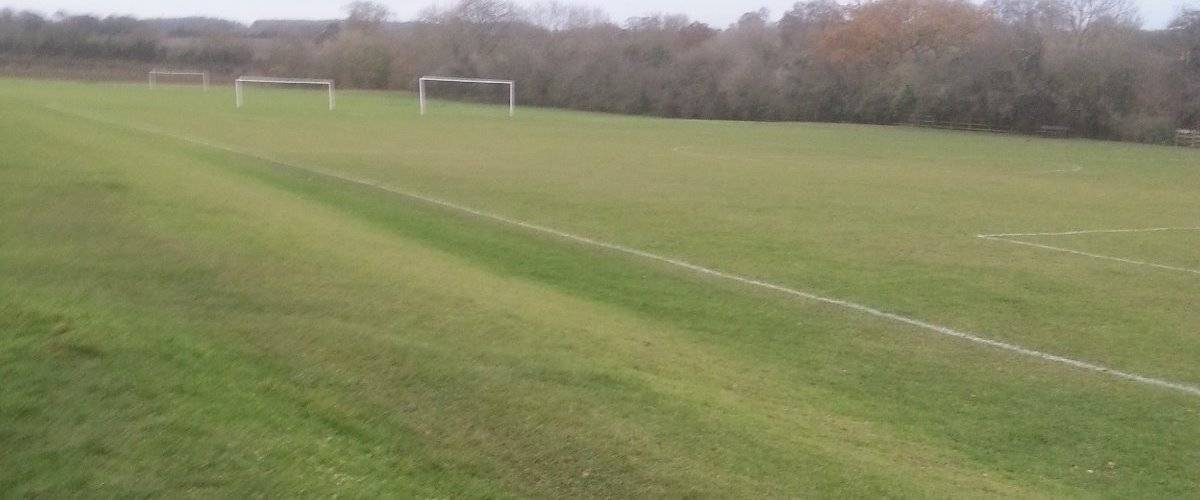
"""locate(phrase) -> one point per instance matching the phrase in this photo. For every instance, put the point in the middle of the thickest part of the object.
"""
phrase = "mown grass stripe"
(865, 309)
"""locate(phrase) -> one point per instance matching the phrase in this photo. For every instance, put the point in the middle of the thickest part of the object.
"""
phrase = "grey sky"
(1156, 13)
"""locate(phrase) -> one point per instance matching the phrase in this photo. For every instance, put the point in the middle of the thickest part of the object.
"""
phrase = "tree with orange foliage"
(888, 31)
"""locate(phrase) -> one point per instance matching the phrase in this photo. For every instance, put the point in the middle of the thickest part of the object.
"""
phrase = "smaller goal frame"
(512, 89)
(241, 100)
(155, 73)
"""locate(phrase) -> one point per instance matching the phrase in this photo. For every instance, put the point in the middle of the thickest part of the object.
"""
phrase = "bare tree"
(1083, 15)
(366, 15)
(558, 16)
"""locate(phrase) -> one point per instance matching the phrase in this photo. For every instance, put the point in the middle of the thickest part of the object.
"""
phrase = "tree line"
(1019, 65)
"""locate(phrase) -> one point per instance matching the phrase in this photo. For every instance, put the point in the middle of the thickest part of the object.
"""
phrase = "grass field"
(198, 300)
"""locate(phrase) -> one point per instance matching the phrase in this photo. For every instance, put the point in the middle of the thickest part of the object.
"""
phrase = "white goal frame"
(241, 100)
(512, 89)
(155, 73)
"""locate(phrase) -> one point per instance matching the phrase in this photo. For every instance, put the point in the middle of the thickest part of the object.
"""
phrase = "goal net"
(157, 74)
(239, 93)
(512, 89)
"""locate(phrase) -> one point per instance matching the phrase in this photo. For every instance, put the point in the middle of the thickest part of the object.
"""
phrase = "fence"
(1187, 138)
(930, 122)
(1055, 131)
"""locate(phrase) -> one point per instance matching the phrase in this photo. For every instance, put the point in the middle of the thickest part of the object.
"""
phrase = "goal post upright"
(421, 91)
(239, 93)
(423, 95)
(155, 73)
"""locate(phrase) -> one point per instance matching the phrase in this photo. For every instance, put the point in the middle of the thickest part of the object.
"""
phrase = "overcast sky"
(1156, 13)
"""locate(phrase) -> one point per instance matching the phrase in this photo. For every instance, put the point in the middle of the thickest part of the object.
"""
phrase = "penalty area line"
(1011, 239)
(1093, 231)
(697, 269)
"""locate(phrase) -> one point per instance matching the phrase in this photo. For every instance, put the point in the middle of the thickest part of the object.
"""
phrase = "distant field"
(285, 301)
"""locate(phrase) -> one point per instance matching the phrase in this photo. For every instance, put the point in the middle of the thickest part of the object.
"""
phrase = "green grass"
(1169, 248)
(177, 319)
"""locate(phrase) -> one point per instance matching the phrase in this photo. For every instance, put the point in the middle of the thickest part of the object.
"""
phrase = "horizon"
(718, 13)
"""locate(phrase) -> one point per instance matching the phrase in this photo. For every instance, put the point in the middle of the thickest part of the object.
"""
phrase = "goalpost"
(237, 86)
(154, 74)
(512, 89)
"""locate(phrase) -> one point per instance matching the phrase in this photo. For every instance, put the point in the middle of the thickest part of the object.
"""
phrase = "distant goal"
(240, 97)
(512, 89)
(173, 74)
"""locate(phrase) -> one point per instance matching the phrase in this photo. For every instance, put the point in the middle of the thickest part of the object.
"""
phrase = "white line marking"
(1009, 238)
(1094, 231)
(1072, 170)
(871, 311)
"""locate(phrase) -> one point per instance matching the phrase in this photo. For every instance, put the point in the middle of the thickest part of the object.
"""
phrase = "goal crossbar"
(241, 101)
(512, 89)
(155, 73)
